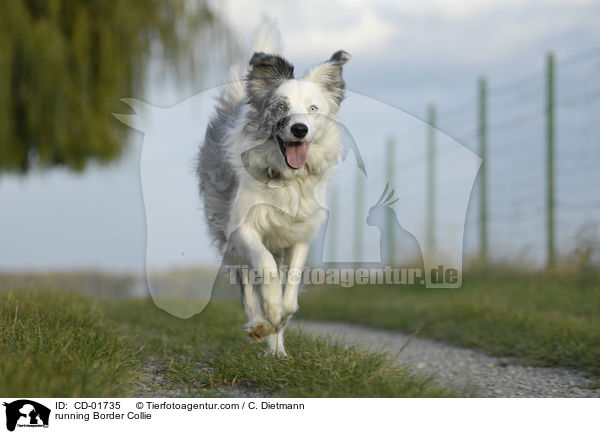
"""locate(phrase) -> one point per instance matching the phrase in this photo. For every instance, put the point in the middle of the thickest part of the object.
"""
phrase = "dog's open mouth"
(294, 153)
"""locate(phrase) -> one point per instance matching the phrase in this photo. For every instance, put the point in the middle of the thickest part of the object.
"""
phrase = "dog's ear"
(329, 76)
(266, 72)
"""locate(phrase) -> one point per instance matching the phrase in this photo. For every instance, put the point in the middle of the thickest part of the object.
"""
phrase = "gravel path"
(468, 371)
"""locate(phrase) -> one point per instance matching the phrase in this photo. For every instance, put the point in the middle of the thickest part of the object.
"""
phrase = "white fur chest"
(282, 216)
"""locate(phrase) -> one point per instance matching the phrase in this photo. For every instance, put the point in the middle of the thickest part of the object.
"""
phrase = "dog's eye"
(313, 108)
(281, 107)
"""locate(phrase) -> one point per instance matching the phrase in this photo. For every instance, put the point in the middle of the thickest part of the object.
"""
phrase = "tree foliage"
(64, 64)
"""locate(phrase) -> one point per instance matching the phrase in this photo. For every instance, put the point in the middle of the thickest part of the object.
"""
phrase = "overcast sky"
(411, 53)
(406, 54)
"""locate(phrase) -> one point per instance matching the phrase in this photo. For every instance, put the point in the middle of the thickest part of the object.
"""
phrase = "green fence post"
(550, 156)
(359, 223)
(389, 223)
(431, 120)
(332, 224)
(482, 134)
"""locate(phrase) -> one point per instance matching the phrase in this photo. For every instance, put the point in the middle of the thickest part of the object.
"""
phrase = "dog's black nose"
(299, 130)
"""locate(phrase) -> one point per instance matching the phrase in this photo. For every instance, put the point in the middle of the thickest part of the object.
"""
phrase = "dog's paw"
(258, 332)
(279, 353)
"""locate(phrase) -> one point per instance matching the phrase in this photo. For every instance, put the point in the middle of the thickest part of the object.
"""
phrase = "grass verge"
(57, 344)
(542, 319)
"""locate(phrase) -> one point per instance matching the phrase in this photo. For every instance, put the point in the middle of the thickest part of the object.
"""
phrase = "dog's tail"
(267, 39)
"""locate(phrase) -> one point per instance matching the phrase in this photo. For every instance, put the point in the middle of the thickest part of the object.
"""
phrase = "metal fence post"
(332, 224)
(359, 224)
(431, 120)
(550, 156)
(482, 135)
(389, 223)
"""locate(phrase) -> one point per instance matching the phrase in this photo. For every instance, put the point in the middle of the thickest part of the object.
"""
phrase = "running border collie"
(268, 152)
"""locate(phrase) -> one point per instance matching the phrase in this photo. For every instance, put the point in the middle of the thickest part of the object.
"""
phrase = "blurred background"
(518, 83)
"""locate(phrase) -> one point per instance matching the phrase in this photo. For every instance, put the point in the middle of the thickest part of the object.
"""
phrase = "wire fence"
(537, 192)
(539, 186)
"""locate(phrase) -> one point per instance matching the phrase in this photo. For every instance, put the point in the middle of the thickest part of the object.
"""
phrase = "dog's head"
(292, 114)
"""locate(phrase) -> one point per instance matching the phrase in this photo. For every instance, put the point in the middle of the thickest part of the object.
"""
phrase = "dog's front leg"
(297, 260)
(262, 261)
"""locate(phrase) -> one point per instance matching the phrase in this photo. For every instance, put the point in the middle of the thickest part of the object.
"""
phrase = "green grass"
(542, 319)
(58, 344)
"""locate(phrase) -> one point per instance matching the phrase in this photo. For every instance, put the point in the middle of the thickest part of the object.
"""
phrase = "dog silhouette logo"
(26, 413)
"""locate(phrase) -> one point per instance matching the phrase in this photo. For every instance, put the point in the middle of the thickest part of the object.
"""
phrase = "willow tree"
(64, 64)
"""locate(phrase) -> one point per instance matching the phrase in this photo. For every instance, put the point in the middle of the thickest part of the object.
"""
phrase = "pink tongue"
(296, 155)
